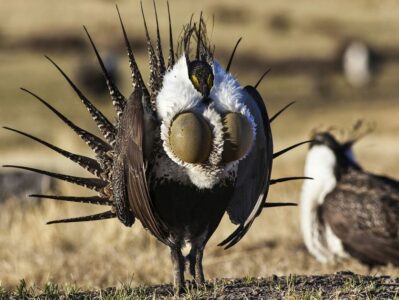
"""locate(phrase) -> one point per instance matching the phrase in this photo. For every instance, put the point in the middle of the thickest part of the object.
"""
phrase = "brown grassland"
(105, 253)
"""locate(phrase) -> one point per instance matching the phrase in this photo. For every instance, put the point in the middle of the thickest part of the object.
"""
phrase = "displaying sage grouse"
(185, 150)
(346, 211)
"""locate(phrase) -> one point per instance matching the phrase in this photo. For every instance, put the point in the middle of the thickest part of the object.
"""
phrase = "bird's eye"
(195, 81)
(190, 137)
(210, 80)
(238, 136)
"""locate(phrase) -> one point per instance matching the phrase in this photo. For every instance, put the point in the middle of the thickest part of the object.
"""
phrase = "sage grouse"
(185, 150)
(346, 211)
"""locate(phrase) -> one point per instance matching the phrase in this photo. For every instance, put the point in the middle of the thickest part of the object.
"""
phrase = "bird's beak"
(205, 90)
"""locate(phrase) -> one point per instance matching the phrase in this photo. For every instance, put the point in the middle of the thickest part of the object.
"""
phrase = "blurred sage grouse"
(185, 150)
(346, 211)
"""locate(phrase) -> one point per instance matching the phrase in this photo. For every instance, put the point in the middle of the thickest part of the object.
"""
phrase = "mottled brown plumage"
(363, 211)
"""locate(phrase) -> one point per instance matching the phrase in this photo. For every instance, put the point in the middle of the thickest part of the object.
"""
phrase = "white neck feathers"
(320, 164)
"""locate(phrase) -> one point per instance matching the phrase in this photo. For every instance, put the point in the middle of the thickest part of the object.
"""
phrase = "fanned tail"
(107, 129)
(87, 163)
(90, 200)
(284, 179)
(281, 152)
(109, 174)
(95, 184)
(137, 79)
(118, 100)
(171, 58)
(96, 144)
(101, 216)
(232, 55)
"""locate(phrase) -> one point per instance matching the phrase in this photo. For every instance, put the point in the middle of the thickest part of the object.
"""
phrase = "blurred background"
(338, 60)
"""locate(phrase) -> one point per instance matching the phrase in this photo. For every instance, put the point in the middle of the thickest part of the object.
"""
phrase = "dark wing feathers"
(129, 149)
(363, 211)
(252, 183)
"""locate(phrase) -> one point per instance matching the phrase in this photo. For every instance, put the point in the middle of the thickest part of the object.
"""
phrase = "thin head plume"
(359, 130)
(204, 42)
(137, 79)
(96, 144)
(104, 125)
(87, 163)
(101, 216)
(91, 183)
(232, 55)
(261, 78)
(89, 200)
(160, 60)
(118, 100)
(281, 152)
(197, 56)
(171, 58)
(281, 111)
(284, 179)
(183, 45)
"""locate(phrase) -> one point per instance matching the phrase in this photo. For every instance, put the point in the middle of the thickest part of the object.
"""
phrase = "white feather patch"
(320, 163)
(179, 95)
(229, 96)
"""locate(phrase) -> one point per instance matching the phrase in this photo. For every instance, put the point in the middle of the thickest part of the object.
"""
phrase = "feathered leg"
(194, 259)
(178, 269)
(199, 272)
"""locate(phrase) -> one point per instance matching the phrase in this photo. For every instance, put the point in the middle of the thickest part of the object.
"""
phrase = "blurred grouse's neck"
(320, 165)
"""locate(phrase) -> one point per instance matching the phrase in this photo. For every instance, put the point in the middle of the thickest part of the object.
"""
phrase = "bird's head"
(328, 153)
(201, 76)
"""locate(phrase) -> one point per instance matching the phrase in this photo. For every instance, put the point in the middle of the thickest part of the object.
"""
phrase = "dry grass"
(105, 253)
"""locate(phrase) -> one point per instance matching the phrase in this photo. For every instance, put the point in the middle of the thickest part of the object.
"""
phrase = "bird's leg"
(191, 260)
(199, 273)
(178, 270)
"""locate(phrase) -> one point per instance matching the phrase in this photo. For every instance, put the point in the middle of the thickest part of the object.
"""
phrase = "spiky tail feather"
(103, 165)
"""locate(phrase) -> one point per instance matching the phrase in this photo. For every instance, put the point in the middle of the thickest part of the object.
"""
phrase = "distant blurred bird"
(360, 63)
(191, 147)
(346, 211)
(18, 185)
(91, 78)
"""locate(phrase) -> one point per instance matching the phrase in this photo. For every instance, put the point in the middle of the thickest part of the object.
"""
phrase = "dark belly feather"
(189, 211)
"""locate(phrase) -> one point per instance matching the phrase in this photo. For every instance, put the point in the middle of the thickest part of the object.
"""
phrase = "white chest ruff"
(178, 95)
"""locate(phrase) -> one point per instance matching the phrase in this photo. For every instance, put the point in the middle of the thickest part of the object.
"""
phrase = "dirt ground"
(343, 285)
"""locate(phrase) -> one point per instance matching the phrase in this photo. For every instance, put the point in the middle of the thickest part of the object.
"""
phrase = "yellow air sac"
(238, 136)
(190, 138)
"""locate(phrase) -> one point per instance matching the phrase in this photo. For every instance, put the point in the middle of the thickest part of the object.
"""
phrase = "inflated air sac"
(190, 138)
(238, 136)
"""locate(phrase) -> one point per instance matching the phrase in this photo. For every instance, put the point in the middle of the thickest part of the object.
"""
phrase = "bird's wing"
(130, 155)
(253, 177)
(363, 211)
